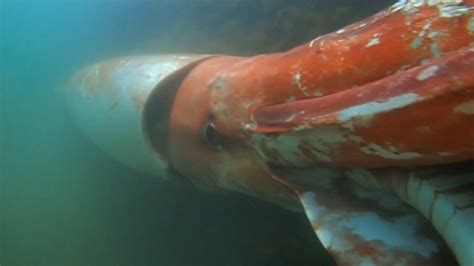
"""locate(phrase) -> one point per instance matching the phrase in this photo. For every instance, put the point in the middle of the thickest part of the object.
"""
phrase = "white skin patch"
(370, 109)
(447, 8)
(325, 236)
(249, 125)
(427, 73)
(340, 31)
(419, 40)
(314, 40)
(247, 104)
(313, 211)
(388, 232)
(290, 118)
(397, 6)
(298, 82)
(318, 93)
(449, 11)
(287, 145)
(374, 41)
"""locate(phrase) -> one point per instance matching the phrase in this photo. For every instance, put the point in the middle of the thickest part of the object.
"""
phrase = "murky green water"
(64, 202)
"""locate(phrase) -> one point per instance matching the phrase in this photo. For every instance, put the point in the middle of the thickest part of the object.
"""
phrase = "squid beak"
(422, 116)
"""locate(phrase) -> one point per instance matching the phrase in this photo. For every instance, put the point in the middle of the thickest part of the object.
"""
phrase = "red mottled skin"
(434, 127)
(250, 104)
(335, 71)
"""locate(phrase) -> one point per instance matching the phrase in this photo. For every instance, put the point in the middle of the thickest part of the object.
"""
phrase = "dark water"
(64, 202)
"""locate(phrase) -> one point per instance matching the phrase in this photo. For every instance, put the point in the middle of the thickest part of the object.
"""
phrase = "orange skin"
(251, 102)
(234, 166)
(424, 116)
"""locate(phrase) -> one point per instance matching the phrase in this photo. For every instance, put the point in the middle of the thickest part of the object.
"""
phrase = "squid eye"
(212, 137)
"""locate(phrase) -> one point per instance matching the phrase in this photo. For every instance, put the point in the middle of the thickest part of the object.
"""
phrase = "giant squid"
(368, 130)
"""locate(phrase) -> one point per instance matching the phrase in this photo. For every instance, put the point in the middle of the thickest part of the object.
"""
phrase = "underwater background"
(65, 202)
